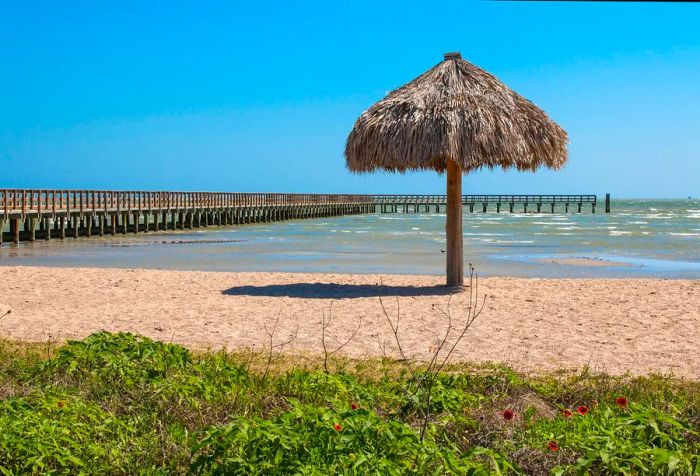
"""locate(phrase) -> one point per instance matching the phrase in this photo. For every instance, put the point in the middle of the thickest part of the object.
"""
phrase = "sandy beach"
(613, 325)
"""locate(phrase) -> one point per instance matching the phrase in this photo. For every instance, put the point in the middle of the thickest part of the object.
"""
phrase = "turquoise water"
(641, 238)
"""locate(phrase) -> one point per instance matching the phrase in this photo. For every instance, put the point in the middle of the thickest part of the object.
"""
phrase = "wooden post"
(453, 228)
(607, 203)
(32, 229)
(62, 229)
(14, 229)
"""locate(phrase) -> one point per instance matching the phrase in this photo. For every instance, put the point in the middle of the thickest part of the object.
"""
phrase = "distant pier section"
(30, 215)
(485, 203)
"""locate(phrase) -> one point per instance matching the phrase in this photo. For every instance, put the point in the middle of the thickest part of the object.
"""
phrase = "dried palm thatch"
(455, 111)
(454, 118)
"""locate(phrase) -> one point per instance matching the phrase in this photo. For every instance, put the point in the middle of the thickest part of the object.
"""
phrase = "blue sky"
(260, 96)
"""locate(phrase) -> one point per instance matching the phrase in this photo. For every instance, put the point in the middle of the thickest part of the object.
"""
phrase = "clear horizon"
(251, 98)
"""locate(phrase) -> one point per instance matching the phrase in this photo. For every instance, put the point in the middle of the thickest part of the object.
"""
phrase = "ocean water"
(640, 238)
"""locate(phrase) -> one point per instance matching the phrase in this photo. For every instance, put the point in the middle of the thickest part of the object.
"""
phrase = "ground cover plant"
(124, 404)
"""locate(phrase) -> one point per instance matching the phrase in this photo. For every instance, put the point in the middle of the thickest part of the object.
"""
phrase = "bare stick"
(426, 379)
(448, 314)
(472, 312)
(272, 346)
(394, 328)
(325, 323)
(382, 347)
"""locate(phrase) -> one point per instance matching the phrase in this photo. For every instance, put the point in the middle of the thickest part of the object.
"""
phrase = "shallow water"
(641, 238)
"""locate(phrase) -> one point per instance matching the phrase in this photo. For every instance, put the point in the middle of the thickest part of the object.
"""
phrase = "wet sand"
(612, 325)
(581, 261)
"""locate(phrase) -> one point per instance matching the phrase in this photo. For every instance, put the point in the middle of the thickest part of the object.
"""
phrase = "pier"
(485, 203)
(30, 215)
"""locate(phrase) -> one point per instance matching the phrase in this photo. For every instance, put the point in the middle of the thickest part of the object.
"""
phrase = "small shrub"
(122, 357)
(58, 433)
(316, 440)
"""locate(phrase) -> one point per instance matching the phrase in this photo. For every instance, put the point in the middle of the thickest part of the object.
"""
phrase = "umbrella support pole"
(453, 228)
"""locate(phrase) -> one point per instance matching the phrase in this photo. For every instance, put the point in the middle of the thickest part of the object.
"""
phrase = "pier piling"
(32, 229)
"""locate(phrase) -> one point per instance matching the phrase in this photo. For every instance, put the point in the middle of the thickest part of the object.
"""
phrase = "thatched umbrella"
(455, 117)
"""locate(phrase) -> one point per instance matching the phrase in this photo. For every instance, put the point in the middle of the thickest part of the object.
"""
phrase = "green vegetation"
(122, 404)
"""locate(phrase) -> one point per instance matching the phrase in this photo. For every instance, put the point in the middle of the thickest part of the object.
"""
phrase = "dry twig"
(279, 346)
(424, 380)
(325, 324)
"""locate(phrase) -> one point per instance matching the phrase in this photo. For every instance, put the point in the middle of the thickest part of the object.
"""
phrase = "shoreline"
(636, 325)
(574, 263)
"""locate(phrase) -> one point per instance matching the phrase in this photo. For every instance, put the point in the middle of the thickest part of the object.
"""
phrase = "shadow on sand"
(336, 291)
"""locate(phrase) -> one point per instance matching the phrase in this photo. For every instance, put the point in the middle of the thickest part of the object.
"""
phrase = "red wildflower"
(582, 410)
(508, 414)
(354, 406)
(621, 402)
(566, 413)
(553, 446)
(337, 427)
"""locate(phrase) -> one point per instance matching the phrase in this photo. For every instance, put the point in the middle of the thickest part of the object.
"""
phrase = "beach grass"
(125, 404)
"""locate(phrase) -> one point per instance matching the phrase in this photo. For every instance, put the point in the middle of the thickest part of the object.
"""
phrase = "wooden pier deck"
(28, 215)
(498, 203)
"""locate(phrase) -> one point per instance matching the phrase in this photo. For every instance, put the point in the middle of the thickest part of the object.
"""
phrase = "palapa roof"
(455, 111)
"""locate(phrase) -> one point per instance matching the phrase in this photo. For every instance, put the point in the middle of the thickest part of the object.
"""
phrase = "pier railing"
(61, 213)
(442, 199)
(22, 202)
(19, 200)
(14, 201)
